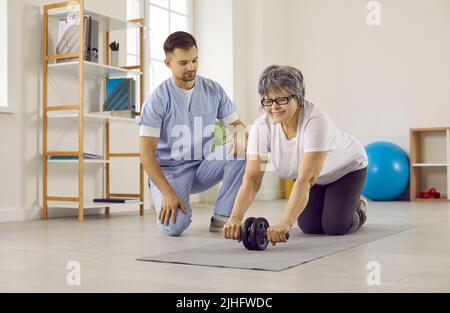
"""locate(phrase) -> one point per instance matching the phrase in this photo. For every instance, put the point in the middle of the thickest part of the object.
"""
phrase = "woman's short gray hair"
(282, 78)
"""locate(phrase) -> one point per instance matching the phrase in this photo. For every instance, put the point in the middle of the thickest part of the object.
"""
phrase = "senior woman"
(328, 165)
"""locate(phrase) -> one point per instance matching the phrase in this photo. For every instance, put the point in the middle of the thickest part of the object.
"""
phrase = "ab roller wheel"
(254, 234)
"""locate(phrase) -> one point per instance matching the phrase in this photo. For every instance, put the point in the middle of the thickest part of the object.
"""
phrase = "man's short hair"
(181, 40)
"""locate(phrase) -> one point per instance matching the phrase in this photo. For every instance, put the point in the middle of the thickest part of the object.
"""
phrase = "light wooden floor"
(34, 255)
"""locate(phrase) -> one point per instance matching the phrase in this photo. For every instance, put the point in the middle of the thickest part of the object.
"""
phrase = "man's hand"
(277, 233)
(169, 206)
(232, 229)
(238, 146)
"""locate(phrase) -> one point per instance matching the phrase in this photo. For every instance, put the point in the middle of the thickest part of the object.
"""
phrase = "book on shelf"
(116, 200)
(87, 156)
(120, 97)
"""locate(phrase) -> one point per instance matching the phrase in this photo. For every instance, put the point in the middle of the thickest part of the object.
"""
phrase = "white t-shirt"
(188, 94)
(316, 132)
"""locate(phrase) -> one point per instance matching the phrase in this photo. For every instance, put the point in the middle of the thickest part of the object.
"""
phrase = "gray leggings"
(333, 209)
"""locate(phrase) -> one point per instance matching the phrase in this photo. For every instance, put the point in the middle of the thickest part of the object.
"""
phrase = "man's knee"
(175, 230)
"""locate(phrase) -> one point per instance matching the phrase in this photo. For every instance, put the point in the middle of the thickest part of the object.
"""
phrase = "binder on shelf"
(68, 35)
(91, 49)
(116, 200)
(87, 156)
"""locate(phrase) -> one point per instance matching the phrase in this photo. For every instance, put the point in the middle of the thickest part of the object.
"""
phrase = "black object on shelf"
(112, 200)
(114, 46)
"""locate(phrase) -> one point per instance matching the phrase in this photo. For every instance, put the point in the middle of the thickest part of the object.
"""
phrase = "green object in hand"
(221, 135)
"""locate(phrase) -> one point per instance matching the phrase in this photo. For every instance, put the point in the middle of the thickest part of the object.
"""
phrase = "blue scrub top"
(186, 130)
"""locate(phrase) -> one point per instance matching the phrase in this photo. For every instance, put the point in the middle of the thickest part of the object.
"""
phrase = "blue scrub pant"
(199, 176)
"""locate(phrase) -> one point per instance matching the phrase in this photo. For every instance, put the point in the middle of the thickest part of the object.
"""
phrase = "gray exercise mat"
(299, 250)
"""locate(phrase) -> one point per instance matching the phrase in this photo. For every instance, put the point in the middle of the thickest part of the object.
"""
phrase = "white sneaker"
(217, 224)
(363, 208)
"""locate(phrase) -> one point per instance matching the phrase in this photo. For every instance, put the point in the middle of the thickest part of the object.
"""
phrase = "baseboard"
(20, 215)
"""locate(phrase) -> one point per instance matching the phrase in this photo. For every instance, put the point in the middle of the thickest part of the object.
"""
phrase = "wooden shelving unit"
(430, 162)
(76, 111)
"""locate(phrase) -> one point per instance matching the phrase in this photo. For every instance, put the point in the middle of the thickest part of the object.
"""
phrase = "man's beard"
(187, 77)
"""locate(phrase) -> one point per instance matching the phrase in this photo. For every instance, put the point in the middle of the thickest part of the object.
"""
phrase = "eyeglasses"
(279, 101)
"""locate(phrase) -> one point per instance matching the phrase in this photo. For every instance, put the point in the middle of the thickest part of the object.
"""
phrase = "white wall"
(113, 8)
(394, 75)
(19, 132)
(215, 41)
(375, 82)
(258, 30)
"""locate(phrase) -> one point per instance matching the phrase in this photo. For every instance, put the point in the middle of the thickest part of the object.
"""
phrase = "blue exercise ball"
(388, 172)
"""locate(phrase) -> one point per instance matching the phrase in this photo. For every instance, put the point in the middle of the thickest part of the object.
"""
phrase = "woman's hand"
(277, 233)
(232, 229)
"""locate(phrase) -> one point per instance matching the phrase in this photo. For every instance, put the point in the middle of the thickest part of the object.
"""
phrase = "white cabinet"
(430, 162)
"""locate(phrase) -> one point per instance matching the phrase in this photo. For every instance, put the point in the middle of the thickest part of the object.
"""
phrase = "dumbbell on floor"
(254, 234)
(430, 194)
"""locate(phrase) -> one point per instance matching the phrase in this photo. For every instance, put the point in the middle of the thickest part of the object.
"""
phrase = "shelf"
(87, 205)
(91, 69)
(90, 83)
(76, 161)
(93, 117)
(106, 23)
(430, 165)
(430, 162)
(431, 200)
(429, 130)
(128, 160)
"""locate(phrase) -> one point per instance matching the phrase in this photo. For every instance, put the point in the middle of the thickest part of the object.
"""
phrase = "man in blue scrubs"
(176, 131)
